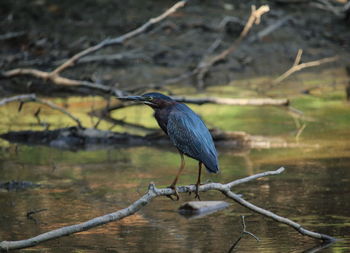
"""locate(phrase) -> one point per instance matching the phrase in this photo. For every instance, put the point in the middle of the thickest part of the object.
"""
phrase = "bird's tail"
(212, 168)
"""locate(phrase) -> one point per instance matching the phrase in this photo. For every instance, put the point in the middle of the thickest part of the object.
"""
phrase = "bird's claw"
(196, 196)
(177, 197)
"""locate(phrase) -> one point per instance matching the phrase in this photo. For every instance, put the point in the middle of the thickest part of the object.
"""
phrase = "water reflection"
(82, 185)
(77, 186)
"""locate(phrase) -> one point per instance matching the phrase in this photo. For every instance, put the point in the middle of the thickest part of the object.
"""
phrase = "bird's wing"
(190, 135)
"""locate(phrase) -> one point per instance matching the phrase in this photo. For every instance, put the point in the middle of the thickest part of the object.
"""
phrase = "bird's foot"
(177, 197)
(196, 196)
(196, 193)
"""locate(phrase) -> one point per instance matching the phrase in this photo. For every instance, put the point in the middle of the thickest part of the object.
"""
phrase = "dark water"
(77, 186)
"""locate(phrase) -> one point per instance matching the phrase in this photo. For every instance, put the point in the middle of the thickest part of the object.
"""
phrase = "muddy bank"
(49, 32)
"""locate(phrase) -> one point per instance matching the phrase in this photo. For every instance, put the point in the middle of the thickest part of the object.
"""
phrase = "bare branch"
(119, 40)
(57, 79)
(244, 231)
(54, 76)
(130, 55)
(254, 18)
(234, 101)
(253, 177)
(152, 193)
(338, 11)
(204, 65)
(34, 98)
(298, 57)
(216, 100)
(297, 66)
(266, 31)
(301, 66)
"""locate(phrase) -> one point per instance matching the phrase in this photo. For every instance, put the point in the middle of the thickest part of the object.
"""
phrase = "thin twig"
(299, 132)
(244, 232)
(269, 29)
(104, 114)
(31, 213)
(34, 98)
(152, 193)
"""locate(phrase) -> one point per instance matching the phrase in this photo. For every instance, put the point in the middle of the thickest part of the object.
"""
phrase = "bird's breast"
(162, 117)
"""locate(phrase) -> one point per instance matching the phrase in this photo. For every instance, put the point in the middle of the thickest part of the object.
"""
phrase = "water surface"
(76, 186)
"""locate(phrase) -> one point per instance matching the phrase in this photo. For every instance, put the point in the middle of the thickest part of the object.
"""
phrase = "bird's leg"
(173, 184)
(198, 181)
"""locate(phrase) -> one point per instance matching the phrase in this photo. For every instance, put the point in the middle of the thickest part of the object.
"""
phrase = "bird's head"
(153, 99)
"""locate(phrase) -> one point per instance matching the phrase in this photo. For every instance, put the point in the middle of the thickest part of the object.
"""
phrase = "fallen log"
(75, 138)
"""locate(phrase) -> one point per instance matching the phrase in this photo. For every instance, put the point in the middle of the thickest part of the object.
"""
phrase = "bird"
(187, 132)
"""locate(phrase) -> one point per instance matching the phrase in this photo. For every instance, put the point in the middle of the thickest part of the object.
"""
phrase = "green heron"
(186, 131)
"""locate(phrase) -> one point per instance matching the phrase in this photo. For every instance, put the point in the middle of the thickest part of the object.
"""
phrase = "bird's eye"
(149, 98)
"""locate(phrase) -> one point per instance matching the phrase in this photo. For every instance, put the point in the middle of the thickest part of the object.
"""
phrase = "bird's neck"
(162, 116)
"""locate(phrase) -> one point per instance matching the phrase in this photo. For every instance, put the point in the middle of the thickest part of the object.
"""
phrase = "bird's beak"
(132, 98)
(136, 99)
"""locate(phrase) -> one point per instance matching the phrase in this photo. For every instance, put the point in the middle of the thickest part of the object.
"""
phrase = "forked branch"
(244, 232)
(297, 66)
(154, 192)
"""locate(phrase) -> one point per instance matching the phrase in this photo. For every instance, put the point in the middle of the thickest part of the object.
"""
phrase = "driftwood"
(54, 75)
(297, 66)
(196, 209)
(235, 101)
(209, 100)
(199, 209)
(154, 192)
(76, 138)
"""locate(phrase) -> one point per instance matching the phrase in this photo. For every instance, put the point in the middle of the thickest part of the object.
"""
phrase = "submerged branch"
(244, 232)
(154, 192)
(33, 98)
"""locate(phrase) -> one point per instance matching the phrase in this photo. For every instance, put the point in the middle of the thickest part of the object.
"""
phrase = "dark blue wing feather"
(190, 135)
